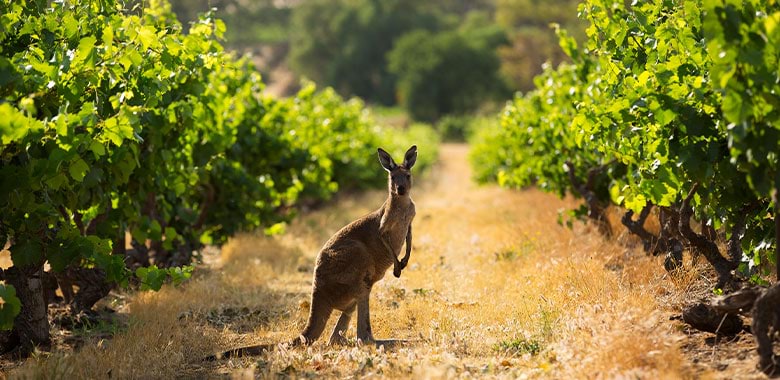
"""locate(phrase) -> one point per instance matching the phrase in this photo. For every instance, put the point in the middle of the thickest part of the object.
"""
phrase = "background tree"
(451, 72)
(343, 43)
(533, 41)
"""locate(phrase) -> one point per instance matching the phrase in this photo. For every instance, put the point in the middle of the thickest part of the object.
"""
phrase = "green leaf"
(26, 253)
(10, 306)
(56, 182)
(643, 78)
(14, 125)
(108, 35)
(615, 194)
(155, 231)
(114, 265)
(735, 108)
(151, 277)
(170, 233)
(97, 148)
(138, 234)
(70, 24)
(117, 129)
(179, 275)
(130, 58)
(219, 28)
(664, 117)
(148, 37)
(179, 188)
(78, 169)
(636, 202)
(68, 252)
(84, 52)
(61, 124)
(100, 246)
(276, 229)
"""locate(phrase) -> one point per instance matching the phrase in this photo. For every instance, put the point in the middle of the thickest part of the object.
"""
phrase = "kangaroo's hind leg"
(318, 317)
(364, 319)
(337, 337)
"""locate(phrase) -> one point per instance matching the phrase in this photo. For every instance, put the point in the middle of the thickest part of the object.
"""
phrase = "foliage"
(454, 128)
(248, 22)
(675, 104)
(743, 42)
(343, 43)
(153, 278)
(462, 128)
(113, 120)
(9, 306)
(450, 72)
(489, 152)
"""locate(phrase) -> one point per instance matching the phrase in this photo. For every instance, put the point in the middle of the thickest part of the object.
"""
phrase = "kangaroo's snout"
(400, 181)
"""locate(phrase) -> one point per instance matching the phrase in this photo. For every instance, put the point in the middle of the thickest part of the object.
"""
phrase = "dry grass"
(495, 288)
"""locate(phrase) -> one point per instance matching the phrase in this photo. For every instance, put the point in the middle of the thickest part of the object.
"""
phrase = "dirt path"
(495, 288)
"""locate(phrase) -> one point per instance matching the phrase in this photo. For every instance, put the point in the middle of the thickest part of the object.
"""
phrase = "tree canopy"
(450, 72)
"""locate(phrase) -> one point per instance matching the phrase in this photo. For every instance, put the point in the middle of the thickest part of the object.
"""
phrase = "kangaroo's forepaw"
(397, 271)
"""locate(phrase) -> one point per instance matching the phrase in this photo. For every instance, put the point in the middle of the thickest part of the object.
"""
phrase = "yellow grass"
(490, 269)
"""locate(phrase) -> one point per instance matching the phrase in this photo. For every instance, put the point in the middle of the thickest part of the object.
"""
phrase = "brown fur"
(358, 256)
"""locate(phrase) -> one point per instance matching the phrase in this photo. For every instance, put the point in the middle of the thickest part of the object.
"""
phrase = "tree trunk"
(766, 321)
(92, 287)
(31, 326)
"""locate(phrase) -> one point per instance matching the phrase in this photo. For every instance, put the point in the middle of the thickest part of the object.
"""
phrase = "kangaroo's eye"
(408, 176)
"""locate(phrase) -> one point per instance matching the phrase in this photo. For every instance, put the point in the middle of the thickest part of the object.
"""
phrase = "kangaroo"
(355, 258)
(358, 256)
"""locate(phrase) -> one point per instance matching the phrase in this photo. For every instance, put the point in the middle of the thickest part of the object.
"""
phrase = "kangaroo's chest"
(395, 225)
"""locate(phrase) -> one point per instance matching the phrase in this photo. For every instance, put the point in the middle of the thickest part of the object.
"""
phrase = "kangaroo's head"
(399, 176)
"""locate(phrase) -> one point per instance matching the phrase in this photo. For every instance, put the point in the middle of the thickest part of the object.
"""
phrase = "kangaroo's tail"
(243, 351)
(252, 350)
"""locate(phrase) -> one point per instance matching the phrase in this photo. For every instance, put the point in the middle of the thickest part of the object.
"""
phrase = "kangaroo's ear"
(410, 157)
(385, 159)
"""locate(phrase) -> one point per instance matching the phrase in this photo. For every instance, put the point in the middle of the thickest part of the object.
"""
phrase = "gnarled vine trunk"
(766, 321)
(31, 326)
(763, 304)
(700, 243)
(91, 282)
(596, 210)
(667, 241)
(92, 287)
